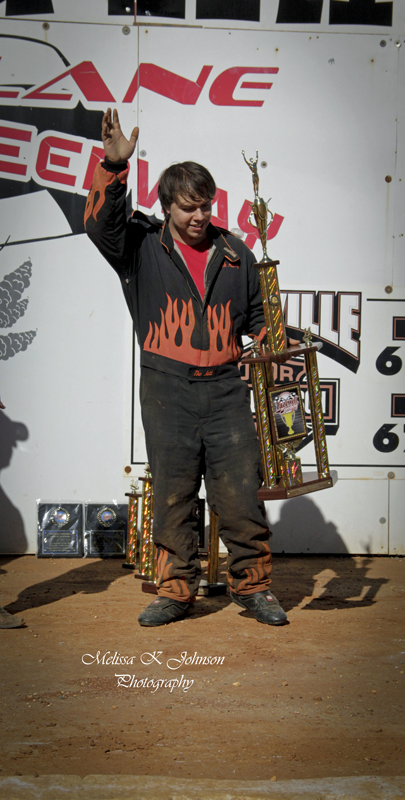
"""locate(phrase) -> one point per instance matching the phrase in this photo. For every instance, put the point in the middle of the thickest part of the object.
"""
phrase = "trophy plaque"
(105, 530)
(287, 416)
(60, 530)
(279, 433)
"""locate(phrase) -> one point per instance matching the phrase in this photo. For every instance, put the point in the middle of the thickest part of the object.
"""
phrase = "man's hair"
(187, 179)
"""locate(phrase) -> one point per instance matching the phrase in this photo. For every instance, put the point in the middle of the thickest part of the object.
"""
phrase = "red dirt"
(320, 697)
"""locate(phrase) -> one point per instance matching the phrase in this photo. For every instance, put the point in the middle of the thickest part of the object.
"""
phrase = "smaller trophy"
(147, 550)
(131, 552)
(280, 413)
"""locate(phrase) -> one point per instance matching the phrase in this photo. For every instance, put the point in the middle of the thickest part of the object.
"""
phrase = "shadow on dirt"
(330, 580)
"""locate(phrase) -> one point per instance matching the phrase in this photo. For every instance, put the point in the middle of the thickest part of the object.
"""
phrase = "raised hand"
(116, 146)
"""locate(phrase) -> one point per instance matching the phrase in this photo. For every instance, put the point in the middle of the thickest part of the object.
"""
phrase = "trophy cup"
(279, 409)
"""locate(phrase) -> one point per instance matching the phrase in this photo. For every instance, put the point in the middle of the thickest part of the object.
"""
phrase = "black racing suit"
(195, 408)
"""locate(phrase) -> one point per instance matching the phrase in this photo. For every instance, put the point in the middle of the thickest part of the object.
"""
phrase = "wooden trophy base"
(148, 586)
(128, 565)
(310, 483)
(147, 582)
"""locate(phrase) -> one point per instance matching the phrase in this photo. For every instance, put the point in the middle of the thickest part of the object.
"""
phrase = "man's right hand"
(116, 146)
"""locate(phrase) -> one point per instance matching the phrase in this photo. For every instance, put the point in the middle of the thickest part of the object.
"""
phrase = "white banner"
(324, 111)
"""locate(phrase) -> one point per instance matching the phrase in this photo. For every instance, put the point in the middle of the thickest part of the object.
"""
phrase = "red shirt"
(196, 260)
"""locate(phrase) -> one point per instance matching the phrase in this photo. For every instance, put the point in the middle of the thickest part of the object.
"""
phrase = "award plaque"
(279, 409)
(60, 530)
(287, 418)
(105, 530)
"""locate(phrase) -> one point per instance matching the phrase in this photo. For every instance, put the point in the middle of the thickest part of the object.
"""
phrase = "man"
(192, 291)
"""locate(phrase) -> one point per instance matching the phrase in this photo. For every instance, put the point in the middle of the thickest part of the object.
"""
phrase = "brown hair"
(187, 179)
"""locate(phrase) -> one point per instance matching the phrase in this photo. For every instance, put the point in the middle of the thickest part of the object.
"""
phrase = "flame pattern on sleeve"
(101, 180)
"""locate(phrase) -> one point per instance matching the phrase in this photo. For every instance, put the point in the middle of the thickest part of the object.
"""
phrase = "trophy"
(131, 552)
(147, 550)
(211, 587)
(280, 416)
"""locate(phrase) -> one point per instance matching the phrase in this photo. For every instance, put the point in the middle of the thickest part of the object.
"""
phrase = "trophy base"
(310, 483)
(206, 589)
(148, 586)
(128, 565)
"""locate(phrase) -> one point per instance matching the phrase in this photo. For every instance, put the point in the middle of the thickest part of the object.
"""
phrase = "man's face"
(189, 219)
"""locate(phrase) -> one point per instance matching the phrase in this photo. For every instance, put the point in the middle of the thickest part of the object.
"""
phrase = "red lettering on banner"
(59, 161)
(87, 79)
(45, 155)
(156, 79)
(96, 155)
(253, 233)
(221, 92)
(146, 198)
(168, 84)
(15, 134)
(221, 198)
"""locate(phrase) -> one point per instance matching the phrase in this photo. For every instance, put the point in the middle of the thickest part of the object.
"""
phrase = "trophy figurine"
(260, 208)
(280, 414)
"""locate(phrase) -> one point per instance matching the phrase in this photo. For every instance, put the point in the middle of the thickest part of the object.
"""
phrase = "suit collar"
(213, 233)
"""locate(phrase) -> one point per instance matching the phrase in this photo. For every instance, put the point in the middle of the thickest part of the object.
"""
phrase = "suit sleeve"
(105, 214)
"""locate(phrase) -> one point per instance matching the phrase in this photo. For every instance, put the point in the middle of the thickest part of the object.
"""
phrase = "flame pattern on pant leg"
(167, 585)
(256, 578)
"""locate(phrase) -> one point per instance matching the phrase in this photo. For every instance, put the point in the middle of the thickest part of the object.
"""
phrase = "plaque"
(60, 530)
(287, 417)
(105, 530)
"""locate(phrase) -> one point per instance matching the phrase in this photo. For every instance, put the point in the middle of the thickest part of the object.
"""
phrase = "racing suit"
(195, 407)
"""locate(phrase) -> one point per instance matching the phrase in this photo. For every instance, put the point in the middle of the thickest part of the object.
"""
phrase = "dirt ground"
(320, 697)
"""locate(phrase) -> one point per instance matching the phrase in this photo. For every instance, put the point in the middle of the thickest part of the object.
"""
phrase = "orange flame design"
(166, 584)
(101, 180)
(256, 576)
(220, 330)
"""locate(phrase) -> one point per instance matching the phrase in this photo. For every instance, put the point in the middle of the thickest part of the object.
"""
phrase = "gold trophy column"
(147, 550)
(131, 552)
(315, 401)
(211, 586)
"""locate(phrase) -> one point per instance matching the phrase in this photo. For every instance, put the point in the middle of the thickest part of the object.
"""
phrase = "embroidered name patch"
(198, 373)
